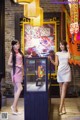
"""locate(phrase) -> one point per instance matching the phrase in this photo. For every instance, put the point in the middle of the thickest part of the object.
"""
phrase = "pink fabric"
(19, 60)
(18, 76)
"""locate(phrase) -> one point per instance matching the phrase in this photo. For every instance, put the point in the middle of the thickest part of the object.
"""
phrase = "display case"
(36, 97)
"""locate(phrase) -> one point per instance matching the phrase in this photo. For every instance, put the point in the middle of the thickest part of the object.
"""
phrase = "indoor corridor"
(72, 109)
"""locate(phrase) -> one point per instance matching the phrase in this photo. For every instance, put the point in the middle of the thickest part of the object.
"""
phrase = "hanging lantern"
(32, 9)
(38, 21)
(23, 1)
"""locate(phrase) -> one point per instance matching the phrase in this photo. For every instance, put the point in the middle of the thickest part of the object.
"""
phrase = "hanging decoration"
(74, 7)
(74, 47)
(76, 16)
(32, 10)
(73, 33)
(37, 21)
(23, 1)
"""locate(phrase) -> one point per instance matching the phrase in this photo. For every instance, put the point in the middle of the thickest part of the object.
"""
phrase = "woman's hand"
(20, 66)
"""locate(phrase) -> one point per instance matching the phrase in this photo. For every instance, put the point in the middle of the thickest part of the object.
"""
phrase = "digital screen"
(39, 40)
(36, 74)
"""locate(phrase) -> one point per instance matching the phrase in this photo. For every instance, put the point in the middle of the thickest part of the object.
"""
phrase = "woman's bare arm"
(54, 62)
(10, 60)
(69, 55)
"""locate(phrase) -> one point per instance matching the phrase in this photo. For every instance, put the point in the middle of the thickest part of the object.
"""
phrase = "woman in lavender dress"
(63, 73)
(16, 63)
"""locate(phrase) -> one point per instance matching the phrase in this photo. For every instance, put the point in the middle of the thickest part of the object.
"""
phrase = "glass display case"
(36, 74)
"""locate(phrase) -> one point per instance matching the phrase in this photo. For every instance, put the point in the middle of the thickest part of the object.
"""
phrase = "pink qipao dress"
(18, 76)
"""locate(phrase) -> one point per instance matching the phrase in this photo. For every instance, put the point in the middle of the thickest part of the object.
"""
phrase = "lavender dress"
(18, 76)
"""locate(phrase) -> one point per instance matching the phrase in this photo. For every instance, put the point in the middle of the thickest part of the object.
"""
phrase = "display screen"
(36, 74)
(39, 40)
(30, 66)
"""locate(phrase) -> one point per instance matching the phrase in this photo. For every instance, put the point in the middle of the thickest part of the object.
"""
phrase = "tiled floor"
(72, 108)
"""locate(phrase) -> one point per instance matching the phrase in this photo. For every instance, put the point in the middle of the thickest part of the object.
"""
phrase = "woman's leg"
(63, 94)
(16, 95)
(15, 90)
(60, 87)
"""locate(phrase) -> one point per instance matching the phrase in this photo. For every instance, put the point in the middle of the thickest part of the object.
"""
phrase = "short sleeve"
(57, 53)
(69, 56)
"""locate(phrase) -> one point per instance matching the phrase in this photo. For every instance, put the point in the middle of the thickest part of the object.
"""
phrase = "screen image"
(36, 74)
(39, 40)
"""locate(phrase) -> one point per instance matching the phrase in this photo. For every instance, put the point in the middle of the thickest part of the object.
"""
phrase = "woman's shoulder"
(10, 53)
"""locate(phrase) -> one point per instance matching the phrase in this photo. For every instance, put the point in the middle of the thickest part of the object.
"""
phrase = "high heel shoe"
(12, 108)
(61, 113)
(13, 112)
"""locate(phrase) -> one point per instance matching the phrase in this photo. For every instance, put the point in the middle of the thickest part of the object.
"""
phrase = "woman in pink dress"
(16, 63)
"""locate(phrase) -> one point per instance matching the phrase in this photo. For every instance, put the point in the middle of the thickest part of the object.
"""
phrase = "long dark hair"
(63, 42)
(14, 55)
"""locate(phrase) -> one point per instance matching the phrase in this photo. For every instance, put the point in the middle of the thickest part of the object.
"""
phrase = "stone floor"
(8, 109)
(72, 108)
